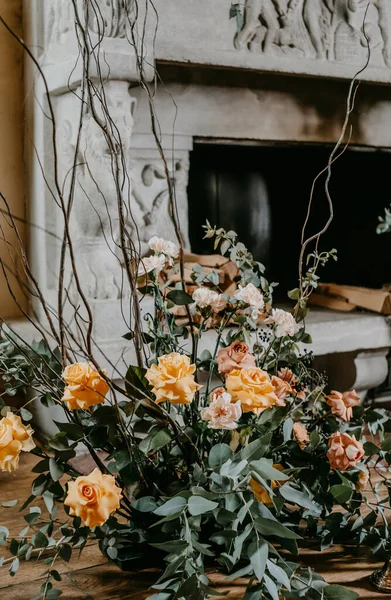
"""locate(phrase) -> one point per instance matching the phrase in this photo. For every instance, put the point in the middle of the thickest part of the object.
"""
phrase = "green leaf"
(299, 497)
(33, 516)
(136, 384)
(294, 294)
(171, 507)
(146, 504)
(25, 414)
(157, 438)
(197, 505)
(338, 592)
(9, 504)
(341, 493)
(218, 455)
(279, 574)
(275, 528)
(175, 546)
(14, 567)
(386, 445)
(257, 448)
(371, 449)
(40, 540)
(53, 594)
(112, 552)
(66, 552)
(264, 468)
(73, 430)
(56, 470)
(180, 298)
(258, 552)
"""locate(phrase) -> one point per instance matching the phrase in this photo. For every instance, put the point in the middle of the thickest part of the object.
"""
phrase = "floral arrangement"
(234, 455)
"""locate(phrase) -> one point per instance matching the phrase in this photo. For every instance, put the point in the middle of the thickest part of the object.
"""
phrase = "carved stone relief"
(110, 18)
(151, 210)
(319, 29)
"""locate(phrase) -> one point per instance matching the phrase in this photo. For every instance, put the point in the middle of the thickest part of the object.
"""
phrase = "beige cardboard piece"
(348, 297)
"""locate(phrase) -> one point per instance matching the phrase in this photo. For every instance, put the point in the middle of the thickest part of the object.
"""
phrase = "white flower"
(204, 297)
(251, 296)
(151, 263)
(161, 246)
(221, 412)
(284, 321)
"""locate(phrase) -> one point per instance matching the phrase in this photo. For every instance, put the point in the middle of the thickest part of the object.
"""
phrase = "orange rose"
(260, 493)
(282, 389)
(342, 404)
(85, 386)
(173, 379)
(287, 375)
(344, 451)
(93, 498)
(236, 356)
(14, 439)
(252, 388)
(301, 436)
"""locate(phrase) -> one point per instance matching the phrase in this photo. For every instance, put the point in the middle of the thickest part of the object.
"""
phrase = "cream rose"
(15, 437)
(173, 379)
(252, 296)
(93, 498)
(284, 322)
(204, 298)
(222, 413)
(236, 356)
(344, 451)
(342, 404)
(151, 263)
(252, 388)
(85, 386)
(162, 246)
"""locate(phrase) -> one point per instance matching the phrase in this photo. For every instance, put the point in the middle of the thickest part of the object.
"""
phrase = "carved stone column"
(114, 68)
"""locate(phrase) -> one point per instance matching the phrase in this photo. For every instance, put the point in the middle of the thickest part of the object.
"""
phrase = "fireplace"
(247, 110)
(262, 190)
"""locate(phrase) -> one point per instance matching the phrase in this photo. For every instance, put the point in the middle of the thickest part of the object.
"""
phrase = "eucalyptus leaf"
(197, 505)
(258, 552)
(218, 455)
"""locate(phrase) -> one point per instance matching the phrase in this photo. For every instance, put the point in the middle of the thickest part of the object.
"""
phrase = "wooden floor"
(92, 578)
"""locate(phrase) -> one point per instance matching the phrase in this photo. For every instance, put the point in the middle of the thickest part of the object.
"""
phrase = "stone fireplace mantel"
(275, 80)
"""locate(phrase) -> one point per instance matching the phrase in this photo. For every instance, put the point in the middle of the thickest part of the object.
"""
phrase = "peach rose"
(344, 451)
(221, 412)
(93, 498)
(287, 375)
(282, 389)
(173, 379)
(260, 493)
(85, 386)
(342, 404)
(236, 356)
(14, 439)
(252, 388)
(301, 436)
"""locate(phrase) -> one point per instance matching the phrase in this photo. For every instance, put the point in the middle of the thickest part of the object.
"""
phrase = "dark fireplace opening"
(262, 192)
